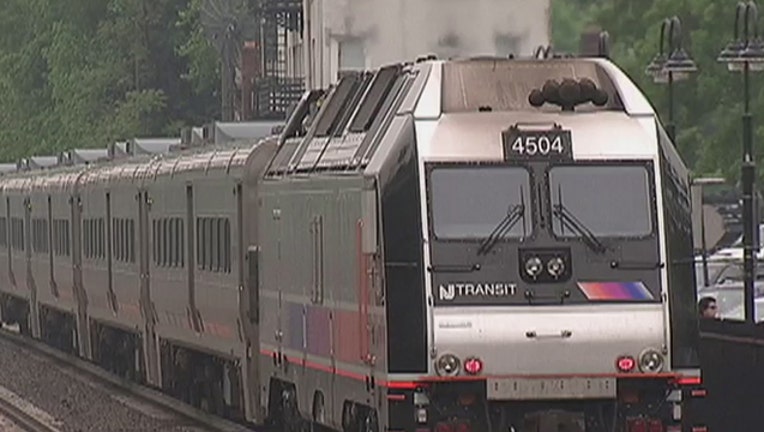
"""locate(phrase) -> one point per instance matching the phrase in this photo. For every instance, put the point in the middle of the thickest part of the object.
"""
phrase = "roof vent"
(568, 94)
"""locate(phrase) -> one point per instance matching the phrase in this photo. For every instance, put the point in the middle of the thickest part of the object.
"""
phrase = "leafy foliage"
(708, 106)
(82, 73)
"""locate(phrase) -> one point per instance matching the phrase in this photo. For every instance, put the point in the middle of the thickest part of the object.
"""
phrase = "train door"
(111, 296)
(253, 315)
(53, 285)
(193, 311)
(83, 329)
(150, 342)
(33, 311)
(11, 280)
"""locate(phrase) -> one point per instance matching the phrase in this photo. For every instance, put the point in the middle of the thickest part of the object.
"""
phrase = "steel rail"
(12, 409)
(136, 390)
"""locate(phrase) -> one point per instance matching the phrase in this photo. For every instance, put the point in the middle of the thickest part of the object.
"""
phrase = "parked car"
(727, 288)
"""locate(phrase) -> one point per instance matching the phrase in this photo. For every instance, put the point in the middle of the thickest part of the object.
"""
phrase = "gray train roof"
(152, 145)
(8, 168)
(346, 126)
(235, 131)
(83, 156)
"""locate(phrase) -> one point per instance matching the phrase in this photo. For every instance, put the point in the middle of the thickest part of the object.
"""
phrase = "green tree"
(708, 106)
(83, 73)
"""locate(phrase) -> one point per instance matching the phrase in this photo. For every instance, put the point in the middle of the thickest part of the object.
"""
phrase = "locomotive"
(485, 244)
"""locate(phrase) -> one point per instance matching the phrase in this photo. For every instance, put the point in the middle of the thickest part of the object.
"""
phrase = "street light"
(673, 65)
(745, 53)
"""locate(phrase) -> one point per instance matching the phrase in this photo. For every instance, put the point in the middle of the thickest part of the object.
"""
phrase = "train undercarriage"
(59, 329)
(641, 405)
(203, 380)
(15, 311)
(118, 351)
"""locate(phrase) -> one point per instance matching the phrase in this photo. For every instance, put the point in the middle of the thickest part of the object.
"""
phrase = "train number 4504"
(554, 144)
(542, 145)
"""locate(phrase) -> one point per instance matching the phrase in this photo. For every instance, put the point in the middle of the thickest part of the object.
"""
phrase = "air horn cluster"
(568, 94)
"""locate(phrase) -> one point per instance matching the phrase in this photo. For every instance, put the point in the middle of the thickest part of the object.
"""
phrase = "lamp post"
(670, 66)
(746, 54)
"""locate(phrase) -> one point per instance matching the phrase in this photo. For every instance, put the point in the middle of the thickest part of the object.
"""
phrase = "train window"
(67, 239)
(131, 239)
(17, 233)
(85, 238)
(497, 191)
(88, 240)
(213, 244)
(227, 245)
(199, 258)
(115, 239)
(166, 242)
(181, 242)
(154, 242)
(124, 244)
(174, 242)
(208, 243)
(123, 240)
(583, 191)
(101, 239)
(61, 237)
(121, 237)
(40, 236)
(166, 246)
(3, 232)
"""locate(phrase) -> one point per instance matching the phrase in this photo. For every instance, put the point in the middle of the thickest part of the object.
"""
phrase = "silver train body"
(441, 246)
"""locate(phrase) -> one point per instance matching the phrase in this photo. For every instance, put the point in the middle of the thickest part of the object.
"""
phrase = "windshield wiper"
(572, 223)
(514, 215)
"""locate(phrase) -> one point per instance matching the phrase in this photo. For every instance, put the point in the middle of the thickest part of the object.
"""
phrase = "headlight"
(447, 364)
(556, 267)
(533, 266)
(650, 361)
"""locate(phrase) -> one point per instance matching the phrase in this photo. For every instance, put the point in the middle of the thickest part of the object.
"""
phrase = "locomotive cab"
(557, 224)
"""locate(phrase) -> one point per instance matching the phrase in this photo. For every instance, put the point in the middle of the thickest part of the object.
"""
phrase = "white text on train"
(450, 291)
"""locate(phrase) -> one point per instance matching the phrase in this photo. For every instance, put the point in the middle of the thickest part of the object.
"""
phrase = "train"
(476, 244)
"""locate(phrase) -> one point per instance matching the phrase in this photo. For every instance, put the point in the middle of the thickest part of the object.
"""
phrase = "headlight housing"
(533, 266)
(447, 365)
(651, 361)
(555, 267)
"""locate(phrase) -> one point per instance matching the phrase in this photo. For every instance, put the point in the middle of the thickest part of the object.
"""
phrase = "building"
(347, 35)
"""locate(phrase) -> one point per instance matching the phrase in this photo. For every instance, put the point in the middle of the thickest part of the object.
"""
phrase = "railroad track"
(23, 415)
(10, 404)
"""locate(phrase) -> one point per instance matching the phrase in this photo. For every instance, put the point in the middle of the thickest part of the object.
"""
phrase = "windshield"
(610, 201)
(733, 274)
(468, 202)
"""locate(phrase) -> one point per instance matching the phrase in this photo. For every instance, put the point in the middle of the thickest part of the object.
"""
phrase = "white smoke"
(400, 30)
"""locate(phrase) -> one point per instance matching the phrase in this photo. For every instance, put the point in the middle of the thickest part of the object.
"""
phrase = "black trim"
(404, 262)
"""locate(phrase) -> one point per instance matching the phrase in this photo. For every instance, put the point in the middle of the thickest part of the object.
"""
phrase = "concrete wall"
(355, 34)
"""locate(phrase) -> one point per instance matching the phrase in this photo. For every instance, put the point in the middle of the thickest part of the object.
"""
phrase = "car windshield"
(469, 202)
(739, 241)
(610, 201)
(733, 274)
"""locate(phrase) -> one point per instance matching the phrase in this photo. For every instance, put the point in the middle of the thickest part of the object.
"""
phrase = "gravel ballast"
(79, 404)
